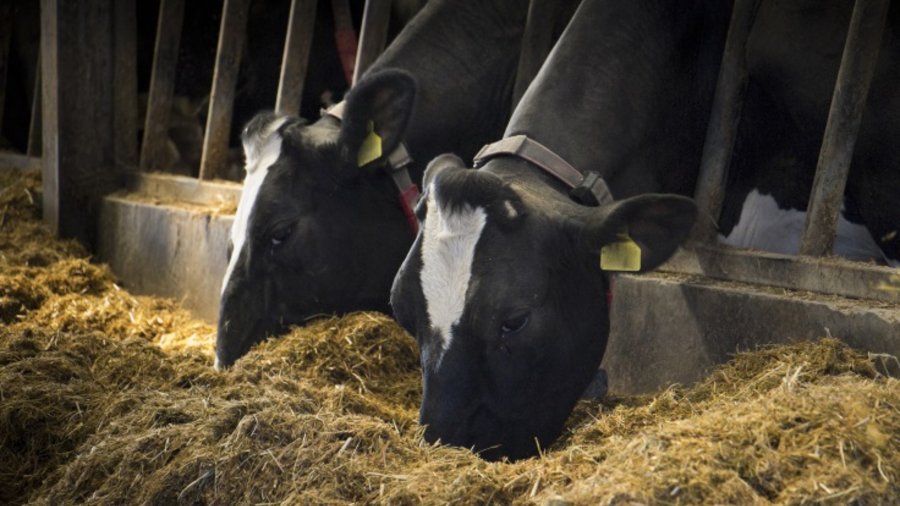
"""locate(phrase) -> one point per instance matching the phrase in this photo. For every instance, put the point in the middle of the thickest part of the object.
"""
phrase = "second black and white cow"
(503, 287)
(320, 227)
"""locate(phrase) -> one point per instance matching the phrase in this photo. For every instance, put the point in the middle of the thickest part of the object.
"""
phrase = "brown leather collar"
(588, 189)
(397, 166)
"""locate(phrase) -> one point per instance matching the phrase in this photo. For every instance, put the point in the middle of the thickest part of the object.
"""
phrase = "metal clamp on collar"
(592, 191)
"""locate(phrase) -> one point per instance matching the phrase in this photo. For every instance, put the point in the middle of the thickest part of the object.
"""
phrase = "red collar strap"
(397, 166)
(588, 189)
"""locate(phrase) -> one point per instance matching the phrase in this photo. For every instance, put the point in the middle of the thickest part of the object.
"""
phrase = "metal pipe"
(162, 84)
(221, 101)
(847, 105)
(373, 35)
(723, 122)
(296, 56)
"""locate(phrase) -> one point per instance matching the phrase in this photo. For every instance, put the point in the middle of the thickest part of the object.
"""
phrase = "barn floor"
(107, 397)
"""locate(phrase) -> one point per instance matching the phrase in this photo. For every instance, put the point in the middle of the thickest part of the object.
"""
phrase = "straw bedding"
(107, 398)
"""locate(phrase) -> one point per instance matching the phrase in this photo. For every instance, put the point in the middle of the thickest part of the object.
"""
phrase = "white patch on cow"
(448, 250)
(511, 212)
(764, 226)
(260, 153)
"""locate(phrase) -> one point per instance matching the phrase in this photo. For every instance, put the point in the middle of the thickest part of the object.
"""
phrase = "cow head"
(315, 232)
(504, 293)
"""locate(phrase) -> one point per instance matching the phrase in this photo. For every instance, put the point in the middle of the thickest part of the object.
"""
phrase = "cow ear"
(655, 223)
(376, 114)
(259, 137)
(441, 163)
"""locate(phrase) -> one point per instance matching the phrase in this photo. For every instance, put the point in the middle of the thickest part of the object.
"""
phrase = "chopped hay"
(107, 397)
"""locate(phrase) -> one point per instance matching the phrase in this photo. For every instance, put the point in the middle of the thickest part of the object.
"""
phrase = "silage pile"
(101, 401)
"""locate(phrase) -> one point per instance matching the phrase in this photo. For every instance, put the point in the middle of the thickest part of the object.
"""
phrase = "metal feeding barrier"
(848, 102)
(232, 33)
(88, 126)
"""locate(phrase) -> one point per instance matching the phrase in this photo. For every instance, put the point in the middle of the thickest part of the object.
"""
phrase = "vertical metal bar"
(537, 41)
(125, 100)
(50, 187)
(162, 84)
(847, 105)
(77, 88)
(296, 56)
(221, 101)
(373, 35)
(34, 129)
(345, 37)
(723, 122)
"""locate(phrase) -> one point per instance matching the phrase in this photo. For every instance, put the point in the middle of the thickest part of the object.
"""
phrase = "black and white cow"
(503, 287)
(793, 56)
(314, 232)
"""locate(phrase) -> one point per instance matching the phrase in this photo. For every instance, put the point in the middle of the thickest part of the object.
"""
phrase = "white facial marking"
(510, 209)
(448, 249)
(260, 156)
(764, 226)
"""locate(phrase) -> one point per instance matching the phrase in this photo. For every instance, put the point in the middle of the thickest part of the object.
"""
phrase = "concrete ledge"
(176, 251)
(674, 328)
(171, 187)
(830, 275)
(16, 161)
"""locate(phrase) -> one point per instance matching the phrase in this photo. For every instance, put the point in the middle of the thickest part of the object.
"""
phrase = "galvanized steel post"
(847, 105)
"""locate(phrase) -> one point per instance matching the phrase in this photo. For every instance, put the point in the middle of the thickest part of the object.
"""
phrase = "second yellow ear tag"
(623, 255)
(370, 150)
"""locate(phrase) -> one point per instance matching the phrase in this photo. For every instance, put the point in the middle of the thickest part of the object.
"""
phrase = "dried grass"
(108, 398)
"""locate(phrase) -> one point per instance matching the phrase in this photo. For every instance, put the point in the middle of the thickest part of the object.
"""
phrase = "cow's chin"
(513, 443)
(493, 438)
(235, 341)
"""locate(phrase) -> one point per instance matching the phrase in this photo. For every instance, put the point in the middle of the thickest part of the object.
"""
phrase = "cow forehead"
(449, 237)
(260, 156)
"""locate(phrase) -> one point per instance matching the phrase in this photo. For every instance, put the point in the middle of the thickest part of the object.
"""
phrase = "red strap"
(346, 43)
(408, 198)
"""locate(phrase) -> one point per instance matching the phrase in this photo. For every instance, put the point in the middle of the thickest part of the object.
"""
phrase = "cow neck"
(587, 189)
(584, 188)
(397, 166)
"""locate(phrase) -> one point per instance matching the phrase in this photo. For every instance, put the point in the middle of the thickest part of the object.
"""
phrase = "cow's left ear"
(377, 111)
(655, 223)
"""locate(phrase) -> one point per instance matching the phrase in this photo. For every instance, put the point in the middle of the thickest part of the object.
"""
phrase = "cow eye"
(280, 235)
(514, 324)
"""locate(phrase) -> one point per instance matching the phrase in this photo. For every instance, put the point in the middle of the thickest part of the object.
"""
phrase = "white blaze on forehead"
(260, 152)
(448, 249)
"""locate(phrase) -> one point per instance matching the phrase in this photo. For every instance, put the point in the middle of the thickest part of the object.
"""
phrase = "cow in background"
(320, 228)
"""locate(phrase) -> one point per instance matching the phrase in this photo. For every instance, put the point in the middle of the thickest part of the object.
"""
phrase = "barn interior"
(119, 178)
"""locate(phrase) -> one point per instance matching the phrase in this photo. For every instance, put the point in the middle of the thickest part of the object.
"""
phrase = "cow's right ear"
(376, 114)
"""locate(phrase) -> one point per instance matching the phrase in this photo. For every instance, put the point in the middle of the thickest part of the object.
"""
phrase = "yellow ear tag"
(623, 255)
(370, 150)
